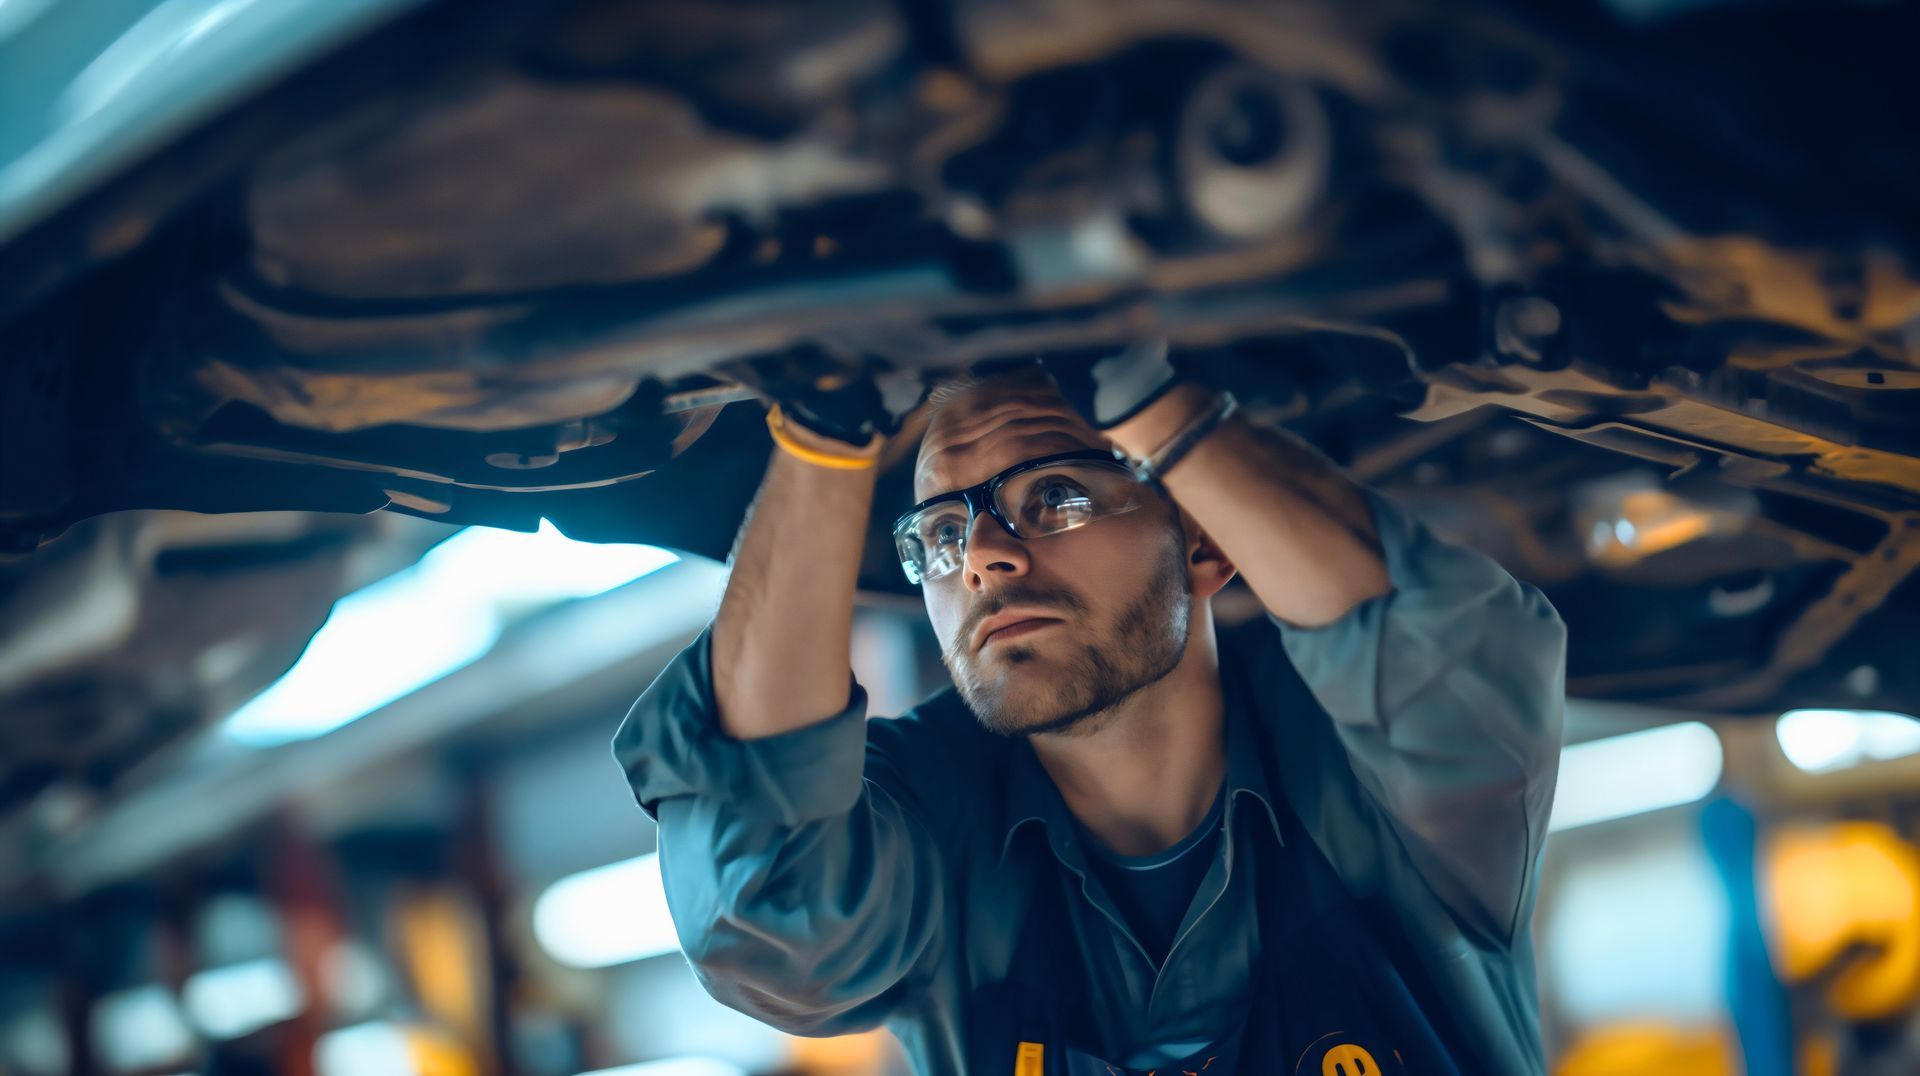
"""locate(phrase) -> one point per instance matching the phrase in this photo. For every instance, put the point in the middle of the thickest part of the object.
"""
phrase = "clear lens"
(1060, 497)
(932, 541)
(1043, 501)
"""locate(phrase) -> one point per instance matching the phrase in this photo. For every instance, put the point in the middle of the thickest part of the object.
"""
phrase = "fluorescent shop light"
(396, 636)
(1821, 741)
(1641, 771)
(141, 1028)
(373, 1049)
(674, 1066)
(605, 916)
(240, 999)
(1636, 927)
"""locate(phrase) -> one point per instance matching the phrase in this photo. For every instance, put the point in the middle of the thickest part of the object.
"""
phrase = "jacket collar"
(1033, 800)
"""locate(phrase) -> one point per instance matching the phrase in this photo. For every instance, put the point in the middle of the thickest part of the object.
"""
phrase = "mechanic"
(1125, 843)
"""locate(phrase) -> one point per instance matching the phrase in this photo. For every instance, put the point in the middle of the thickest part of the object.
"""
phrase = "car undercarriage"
(1632, 303)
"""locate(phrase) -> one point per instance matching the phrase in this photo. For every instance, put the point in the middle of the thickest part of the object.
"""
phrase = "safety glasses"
(1030, 500)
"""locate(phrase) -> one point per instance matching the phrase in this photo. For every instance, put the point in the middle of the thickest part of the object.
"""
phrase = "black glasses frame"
(981, 498)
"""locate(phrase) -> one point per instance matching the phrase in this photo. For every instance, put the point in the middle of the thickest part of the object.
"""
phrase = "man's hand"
(1299, 531)
(849, 410)
(1109, 389)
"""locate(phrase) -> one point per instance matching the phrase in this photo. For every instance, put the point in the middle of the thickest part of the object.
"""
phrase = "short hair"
(950, 388)
(953, 386)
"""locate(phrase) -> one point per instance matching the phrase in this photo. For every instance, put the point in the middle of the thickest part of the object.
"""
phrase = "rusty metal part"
(661, 180)
(1414, 442)
(700, 399)
(1254, 152)
(1674, 409)
(1822, 623)
(1007, 39)
(1754, 425)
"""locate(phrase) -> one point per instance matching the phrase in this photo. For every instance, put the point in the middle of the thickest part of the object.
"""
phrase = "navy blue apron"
(1326, 999)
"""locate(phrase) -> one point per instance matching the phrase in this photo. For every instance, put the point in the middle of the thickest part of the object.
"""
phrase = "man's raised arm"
(1298, 530)
(1444, 676)
(779, 827)
(783, 636)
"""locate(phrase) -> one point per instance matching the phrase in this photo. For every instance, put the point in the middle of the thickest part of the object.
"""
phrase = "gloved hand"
(1112, 387)
(852, 409)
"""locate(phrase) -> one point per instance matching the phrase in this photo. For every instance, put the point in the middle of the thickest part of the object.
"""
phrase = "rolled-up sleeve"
(802, 881)
(1448, 694)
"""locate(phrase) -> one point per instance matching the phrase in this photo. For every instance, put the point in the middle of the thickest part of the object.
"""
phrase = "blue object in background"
(1762, 1016)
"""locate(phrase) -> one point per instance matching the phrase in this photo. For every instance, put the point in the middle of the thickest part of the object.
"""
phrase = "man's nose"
(991, 549)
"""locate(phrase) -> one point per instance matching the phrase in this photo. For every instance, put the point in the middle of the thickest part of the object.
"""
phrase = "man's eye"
(1058, 495)
(948, 531)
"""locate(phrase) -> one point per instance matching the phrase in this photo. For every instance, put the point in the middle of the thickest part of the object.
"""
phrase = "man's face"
(1110, 599)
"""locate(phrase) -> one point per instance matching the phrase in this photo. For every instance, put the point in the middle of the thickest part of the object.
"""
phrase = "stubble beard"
(1140, 649)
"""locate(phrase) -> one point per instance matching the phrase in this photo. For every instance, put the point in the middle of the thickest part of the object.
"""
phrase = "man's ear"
(1208, 569)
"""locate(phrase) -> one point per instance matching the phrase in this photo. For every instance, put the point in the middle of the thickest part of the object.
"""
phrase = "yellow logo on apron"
(1347, 1059)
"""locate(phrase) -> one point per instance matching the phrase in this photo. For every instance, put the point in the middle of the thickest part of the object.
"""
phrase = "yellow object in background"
(1846, 892)
(863, 1054)
(1819, 1056)
(1649, 1049)
(434, 1053)
(439, 936)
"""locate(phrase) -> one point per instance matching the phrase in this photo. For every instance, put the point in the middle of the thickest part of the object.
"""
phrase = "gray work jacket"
(853, 873)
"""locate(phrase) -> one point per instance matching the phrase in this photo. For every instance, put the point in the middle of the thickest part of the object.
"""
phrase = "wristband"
(1150, 468)
(777, 426)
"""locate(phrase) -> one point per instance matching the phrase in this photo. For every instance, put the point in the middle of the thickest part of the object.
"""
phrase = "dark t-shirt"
(1154, 892)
